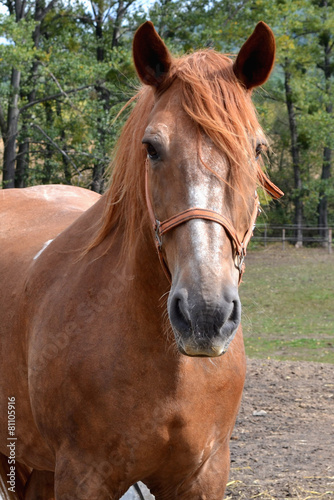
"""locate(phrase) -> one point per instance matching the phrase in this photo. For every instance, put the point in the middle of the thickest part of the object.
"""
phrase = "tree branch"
(93, 9)
(2, 122)
(93, 157)
(18, 9)
(23, 6)
(83, 19)
(54, 96)
(61, 89)
(9, 6)
(48, 8)
(122, 11)
(57, 147)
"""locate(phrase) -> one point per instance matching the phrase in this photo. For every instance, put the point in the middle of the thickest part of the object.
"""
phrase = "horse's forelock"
(212, 96)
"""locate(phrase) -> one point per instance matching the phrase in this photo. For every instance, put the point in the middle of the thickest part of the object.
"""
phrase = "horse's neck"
(139, 287)
(138, 259)
(146, 266)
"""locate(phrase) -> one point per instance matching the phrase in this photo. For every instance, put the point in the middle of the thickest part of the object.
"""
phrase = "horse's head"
(202, 139)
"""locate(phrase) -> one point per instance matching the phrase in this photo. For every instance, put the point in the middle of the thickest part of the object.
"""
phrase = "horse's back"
(40, 211)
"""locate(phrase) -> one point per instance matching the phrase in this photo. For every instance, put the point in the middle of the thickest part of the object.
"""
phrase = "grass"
(288, 304)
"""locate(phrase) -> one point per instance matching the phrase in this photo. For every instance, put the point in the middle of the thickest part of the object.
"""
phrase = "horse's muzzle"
(204, 327)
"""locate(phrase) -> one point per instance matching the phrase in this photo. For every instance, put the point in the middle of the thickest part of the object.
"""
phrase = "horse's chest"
(173, 434)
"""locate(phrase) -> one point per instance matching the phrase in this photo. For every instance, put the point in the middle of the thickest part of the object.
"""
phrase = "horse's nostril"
(179, 312)
(235, 313)
(178, 308)
(182, 309)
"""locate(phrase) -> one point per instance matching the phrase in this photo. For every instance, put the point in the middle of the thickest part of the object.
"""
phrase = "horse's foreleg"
(207, 483)
(40, 486)
(86, 478)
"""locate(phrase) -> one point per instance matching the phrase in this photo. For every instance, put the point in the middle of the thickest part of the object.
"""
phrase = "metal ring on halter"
(158, 233)
(240, 259)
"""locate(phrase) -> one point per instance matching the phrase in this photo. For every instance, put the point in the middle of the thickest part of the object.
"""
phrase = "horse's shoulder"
(34, 208)
(51, 193)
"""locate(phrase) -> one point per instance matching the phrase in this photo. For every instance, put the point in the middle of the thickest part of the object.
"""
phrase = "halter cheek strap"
(160, 228)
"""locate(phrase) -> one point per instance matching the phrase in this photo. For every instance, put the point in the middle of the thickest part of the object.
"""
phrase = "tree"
(22, 159)
(61, 98)
(107, 19)
(9, 126)
(326, 43)
(67, 71)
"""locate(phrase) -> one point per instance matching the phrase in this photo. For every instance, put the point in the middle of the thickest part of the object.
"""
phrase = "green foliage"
(69, 94)
(77, 74)
(19, 50)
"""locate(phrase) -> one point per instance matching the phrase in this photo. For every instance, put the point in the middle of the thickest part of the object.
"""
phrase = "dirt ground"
(283, 443)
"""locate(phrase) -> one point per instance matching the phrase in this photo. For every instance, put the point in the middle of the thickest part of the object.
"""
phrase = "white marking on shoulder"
(42, 249)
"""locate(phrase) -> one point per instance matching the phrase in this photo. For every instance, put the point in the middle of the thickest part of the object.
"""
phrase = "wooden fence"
(311, 235)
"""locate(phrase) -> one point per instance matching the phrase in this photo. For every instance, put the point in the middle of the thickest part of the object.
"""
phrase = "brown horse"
(111, 364)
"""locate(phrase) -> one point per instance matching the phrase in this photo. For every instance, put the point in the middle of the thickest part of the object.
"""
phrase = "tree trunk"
(325, 41)
(322, 207)
(99, 38)
(117, 24)
(11, 133)
(63, 145)
(298, 219)
(67, 167)
(16, 7)
(98, 170)
(49, 150)
(97, 183)
(22, 161)
(121, 11)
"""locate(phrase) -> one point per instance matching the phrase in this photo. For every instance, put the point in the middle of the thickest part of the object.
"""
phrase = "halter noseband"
(240, 247)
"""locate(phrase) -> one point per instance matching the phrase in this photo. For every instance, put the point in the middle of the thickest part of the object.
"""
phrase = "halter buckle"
(240, 258)
(158, 233)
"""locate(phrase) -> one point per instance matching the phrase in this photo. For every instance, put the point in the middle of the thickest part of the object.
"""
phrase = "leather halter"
(160, 228)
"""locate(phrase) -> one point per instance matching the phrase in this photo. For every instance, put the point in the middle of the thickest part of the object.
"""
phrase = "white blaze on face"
(206, 192)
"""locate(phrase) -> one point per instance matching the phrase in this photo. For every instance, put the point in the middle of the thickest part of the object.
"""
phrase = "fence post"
(283, 239)
(329, 241)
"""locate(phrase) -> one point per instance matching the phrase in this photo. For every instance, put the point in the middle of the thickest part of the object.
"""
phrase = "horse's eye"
(151, 152)
(260, 148)
(258, 151)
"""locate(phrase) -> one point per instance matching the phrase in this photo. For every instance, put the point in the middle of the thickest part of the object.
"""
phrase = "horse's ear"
(256, 57)
(151, 56)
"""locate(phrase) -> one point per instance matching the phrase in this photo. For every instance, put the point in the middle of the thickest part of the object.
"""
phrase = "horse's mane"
(214, 99)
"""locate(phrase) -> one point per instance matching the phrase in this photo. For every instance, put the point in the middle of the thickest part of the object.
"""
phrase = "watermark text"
(11, 445)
